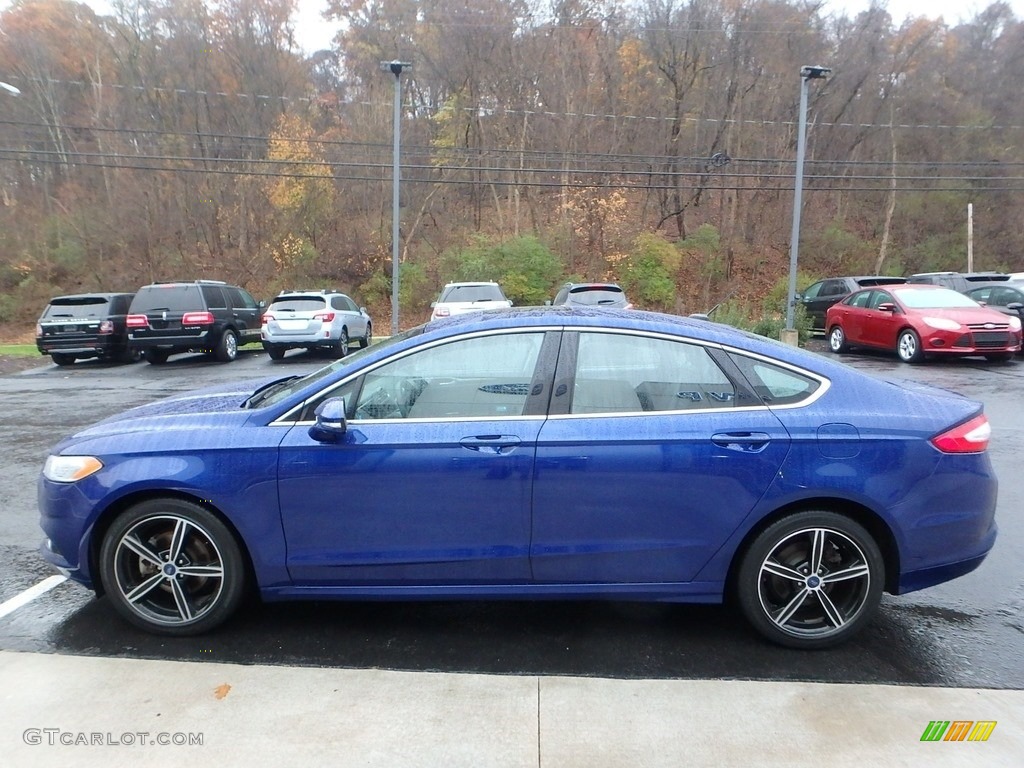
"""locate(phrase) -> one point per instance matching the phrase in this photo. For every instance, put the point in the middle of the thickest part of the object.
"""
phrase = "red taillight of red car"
(324, 317)
(197, 318)
(970, 437)
(137, 321)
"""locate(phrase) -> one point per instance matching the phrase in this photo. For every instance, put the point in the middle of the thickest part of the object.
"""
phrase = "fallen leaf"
(221, 690)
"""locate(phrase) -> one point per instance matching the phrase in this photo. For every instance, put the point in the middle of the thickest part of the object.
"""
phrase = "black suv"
(198, 316)
(85, 325)
(824, 293)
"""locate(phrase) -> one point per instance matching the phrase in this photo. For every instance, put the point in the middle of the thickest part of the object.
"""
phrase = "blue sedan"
(536, 453)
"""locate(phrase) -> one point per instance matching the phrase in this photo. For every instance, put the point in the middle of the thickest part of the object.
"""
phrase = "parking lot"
(968, 632)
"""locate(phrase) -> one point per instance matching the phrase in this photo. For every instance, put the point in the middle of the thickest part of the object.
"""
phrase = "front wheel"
(155, 356)
(367, 340)
(837, 340)
(171, 567)
(227, 347)
(908, 346)
(340, 348)
(811, 580)
(999, 357)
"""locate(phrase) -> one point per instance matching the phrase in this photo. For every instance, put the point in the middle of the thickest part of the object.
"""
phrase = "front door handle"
(496, 444)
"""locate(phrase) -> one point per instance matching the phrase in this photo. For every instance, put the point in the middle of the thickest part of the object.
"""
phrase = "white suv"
(459, 298)
(325, 320)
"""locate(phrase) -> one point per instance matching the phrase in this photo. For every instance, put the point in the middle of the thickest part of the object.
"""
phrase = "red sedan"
(921, 320)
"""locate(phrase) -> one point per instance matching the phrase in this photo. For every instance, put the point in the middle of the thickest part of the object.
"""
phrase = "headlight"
(941, 323)
(1014, 323)
(70, 469)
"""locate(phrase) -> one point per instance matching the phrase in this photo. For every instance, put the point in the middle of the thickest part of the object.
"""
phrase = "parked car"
(958, 281)
(918, 320)
(459, 298)
(823, 294)
(1007, 297)
(195, 316)
(592, 295)
(537, 453)
(327, 320)
(83, 326)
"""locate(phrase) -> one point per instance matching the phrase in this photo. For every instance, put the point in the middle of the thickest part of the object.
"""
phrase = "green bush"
(526, 269)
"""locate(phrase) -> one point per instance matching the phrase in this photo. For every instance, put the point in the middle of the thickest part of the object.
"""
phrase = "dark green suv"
(199, 316)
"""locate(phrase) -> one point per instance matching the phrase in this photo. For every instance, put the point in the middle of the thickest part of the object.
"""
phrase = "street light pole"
(395, 68)
(806, 73)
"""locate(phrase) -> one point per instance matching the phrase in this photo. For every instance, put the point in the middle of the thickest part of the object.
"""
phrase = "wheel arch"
(866, 517)
(111, 513)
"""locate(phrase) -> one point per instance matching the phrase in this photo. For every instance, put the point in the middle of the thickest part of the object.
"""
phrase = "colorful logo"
(958, 730)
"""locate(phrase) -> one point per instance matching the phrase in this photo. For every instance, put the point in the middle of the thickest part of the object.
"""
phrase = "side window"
(618, 373)
(879, 297)
(774, 384)
(982, 294)
(833, 288)
(240, 299)
(813, 291)
(214, 296)
(861, 299)
(482, 377)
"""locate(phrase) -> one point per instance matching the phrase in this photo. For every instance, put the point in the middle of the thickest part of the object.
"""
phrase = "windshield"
(77, 306)
(290, 387)
(170, 297)
(919, 298)
(597, 296)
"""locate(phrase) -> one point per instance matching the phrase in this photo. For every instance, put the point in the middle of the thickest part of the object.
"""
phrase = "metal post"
(806, 73)
(395, 68)
(970, 237)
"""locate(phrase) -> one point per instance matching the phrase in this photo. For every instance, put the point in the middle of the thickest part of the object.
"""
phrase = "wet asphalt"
(966, 633)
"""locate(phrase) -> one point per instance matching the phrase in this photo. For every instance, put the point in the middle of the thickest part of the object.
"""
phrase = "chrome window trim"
(824, 381)
(282, 421)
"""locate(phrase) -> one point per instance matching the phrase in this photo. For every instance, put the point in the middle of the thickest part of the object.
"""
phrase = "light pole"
(790, 335)
(396, 68)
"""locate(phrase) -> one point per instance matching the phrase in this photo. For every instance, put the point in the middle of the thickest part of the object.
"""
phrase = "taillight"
(197, 318)
(107, 326)
(442, 312)
(137, 321)
(39, 329)
(970, 437)
(266, 319)
(324, 317)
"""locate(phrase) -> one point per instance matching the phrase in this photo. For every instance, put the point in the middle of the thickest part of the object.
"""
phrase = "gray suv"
(324, 320)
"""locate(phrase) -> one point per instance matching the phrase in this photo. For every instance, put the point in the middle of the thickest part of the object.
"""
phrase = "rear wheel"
(811, 580)
(172, 567)
(341, 346)
(837, 340)
(276, 353)
(155, 356)
(60, 359)
(227, 347)
(908, 346)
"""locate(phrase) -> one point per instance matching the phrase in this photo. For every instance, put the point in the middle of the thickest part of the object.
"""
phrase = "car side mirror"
(330, 424)
(261, 304)
(886, 306)
(1015, 306)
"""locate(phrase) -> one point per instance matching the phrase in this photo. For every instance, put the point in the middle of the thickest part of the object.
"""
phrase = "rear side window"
(344, 303)
(240, 299)
(215, 298)
(298, 304)
(169, 298)
(774, 384)
(78, 306)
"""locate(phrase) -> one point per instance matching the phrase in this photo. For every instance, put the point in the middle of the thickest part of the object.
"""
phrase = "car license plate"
(292, 325)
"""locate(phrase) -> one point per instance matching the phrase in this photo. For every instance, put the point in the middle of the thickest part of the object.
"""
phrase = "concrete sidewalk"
(53, 708)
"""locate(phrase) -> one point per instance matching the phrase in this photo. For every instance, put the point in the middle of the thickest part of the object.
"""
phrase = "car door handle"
(496, 444)
(744, 442)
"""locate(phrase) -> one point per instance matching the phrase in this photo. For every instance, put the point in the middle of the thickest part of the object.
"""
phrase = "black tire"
(276, 353)
(999, 357)
(227, 347)
(908, 346)
(180, 593)
(155, 356)
(340, 348)
(367, 340)
(837, 340)
(128, 355)
(63, 360)
(794, 603)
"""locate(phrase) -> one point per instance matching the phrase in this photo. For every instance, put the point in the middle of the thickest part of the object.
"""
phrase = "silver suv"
(459, 298)
(325, 320)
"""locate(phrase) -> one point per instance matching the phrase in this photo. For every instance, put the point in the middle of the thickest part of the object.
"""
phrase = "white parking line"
(30, 594)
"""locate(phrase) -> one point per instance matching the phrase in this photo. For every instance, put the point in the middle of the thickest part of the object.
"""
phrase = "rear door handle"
(744, 442)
